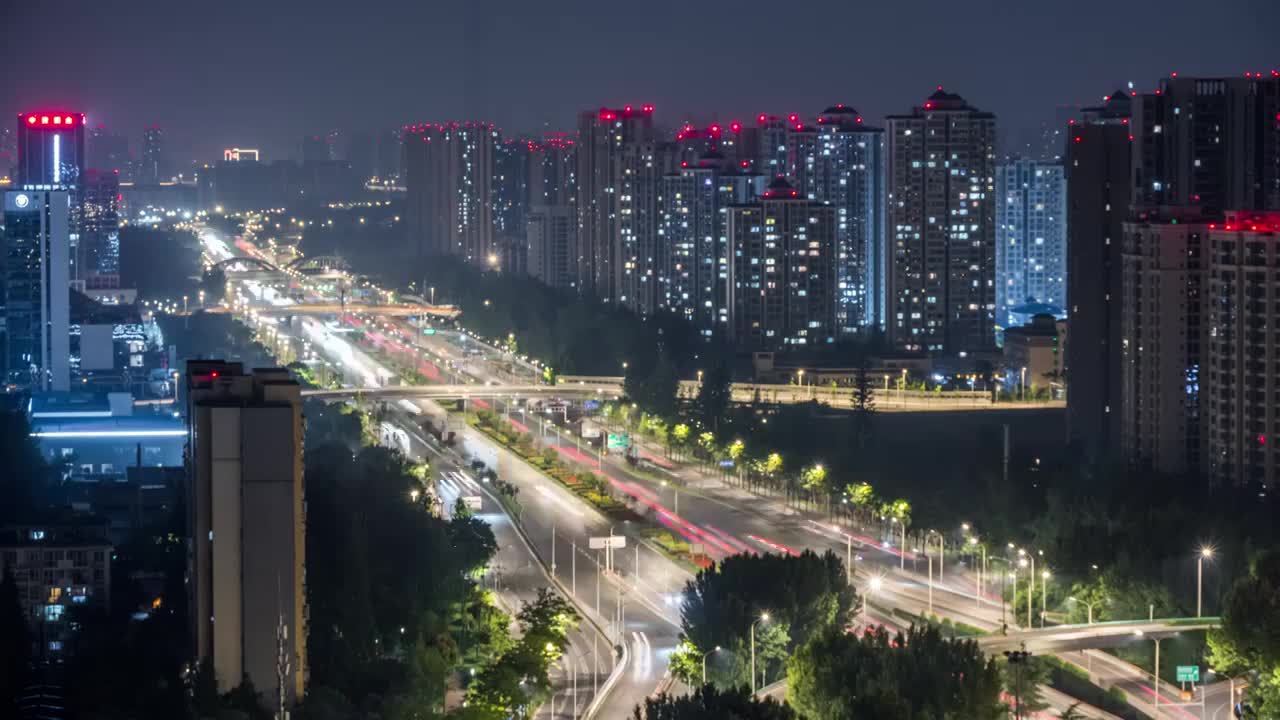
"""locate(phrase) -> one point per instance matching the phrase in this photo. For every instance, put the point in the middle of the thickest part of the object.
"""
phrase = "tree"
(1023, 679)
(15, 652)
(714, 396)
(708, 702)
(25, 477)
(519, 678)
(864, 404)
(801, 595)
(1250, 634)
(919, 674)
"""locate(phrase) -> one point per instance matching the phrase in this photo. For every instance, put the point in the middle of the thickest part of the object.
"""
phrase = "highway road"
(638, 611)
(709, 509)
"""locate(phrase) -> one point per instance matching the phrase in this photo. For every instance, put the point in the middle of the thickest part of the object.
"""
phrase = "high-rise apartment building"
(449, 178)
(36, 262)
(693, 239)
(152, 167)
(1161, 315)
(782, 271)
(246, 523)
(1240, 375)
(620, 164)
(551, 223)
(1097, 163)
(846, 169)
(940, 279)
(100, 230)
(1199, 361)
(512, 167)
(549, 232)
(1212, 143)
(1031, 241)
(774, 156)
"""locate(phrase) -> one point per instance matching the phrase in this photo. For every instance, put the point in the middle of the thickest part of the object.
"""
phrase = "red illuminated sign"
(51, 120)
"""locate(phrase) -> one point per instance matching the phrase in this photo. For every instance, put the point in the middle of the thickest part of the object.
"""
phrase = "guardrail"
(625, 656)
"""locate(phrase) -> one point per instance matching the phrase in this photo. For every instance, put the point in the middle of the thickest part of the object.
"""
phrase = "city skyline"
(213, 91)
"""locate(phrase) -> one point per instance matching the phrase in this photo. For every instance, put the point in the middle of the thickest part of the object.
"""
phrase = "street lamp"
(1044, 595)
(704, 663)
(1231, 681)
(1031, 581)
(1155, 677)
(1205, 552)
(942, 553)
(902, 549)
(413, 496)
(982, 569)
(764, 617)
(1087, 605)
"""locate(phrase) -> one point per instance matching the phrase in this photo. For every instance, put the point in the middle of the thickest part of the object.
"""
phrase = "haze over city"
(259, 74)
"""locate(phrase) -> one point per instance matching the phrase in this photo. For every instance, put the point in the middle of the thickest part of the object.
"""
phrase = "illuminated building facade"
(693, 239)
(1031, 241)
(1213, 143)
(620, 165)
(37, 311)
(551, 224)
(449, 179)
(100, 230)
(841, 161)
(940, 282)
(50, 149)
(782, 271)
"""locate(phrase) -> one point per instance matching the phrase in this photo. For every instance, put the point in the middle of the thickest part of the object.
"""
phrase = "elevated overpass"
(1065, 638)
(890, 400)
(305, 308)
(457, 392)
(398, 310)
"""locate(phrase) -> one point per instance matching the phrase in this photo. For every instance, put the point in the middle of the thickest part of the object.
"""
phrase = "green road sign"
(1188, 673)
(619, 442)
(428, 331)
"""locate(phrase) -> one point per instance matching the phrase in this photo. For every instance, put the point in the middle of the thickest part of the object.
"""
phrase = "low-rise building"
(1033, 356)
(58, 563)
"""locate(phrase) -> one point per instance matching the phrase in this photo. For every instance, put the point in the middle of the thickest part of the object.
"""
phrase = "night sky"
(261, 74)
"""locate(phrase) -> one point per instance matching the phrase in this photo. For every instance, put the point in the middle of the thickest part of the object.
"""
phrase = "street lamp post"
(1231, 683)
(764, 617)
(902, 549)
(1205, 552)
(981, 570)
(942, 554)
(704, 663)
(1031, 582)
(929, 557)
(1044, 595)
(1012, 575)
